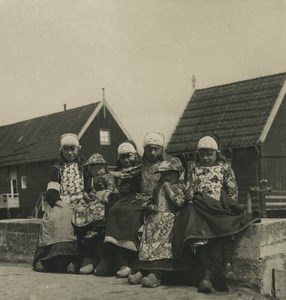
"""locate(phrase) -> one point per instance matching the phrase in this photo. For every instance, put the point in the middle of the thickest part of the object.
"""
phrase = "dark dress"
(125, 216)
(214, 211)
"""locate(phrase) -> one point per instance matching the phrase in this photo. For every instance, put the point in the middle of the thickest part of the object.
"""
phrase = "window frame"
(104, 140)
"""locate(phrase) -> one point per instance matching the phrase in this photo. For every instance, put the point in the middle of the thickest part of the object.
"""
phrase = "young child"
(90, 210)
(156, 253)
(214, 215)
(57, 249)
(211, 176)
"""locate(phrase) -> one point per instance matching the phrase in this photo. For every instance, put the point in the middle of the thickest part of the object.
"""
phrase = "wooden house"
(28, 150)
(250, 119)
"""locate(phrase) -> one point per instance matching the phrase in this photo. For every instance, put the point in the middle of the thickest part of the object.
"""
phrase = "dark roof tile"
(236, 112)
(38, 139)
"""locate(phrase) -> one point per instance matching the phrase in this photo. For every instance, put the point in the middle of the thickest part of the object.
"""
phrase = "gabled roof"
(38, 139)
(240, 113)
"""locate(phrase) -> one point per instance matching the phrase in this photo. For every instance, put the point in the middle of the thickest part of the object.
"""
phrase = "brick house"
(28, 150)
(250, 119)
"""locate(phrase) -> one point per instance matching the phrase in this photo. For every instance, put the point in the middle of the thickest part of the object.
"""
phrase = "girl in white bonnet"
(58, 247)
(213, 216)
(124, 216)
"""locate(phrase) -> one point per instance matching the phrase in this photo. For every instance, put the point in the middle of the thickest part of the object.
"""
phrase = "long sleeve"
(175, 193)
(179, 196)
(191, 186)
(53, 188)
(229, 183)
(109, 182)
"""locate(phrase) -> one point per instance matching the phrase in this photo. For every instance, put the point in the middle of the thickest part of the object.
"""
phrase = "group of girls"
(142, 219)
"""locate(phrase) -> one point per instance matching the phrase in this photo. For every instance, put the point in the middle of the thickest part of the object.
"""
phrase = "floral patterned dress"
(71, 187)
(209, 216)
(156, 243)
(211, 181)
(88, 212)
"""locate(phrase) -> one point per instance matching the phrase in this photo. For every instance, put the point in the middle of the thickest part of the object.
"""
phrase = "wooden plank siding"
(37, 175)
(91, 142)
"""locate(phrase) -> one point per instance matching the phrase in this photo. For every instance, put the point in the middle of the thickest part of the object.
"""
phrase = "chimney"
(65, 107)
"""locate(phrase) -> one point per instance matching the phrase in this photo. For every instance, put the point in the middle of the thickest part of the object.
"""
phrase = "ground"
(19, 281)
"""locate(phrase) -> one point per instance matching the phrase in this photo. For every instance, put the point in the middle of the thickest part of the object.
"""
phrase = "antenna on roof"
(194, 82)
(103, 102)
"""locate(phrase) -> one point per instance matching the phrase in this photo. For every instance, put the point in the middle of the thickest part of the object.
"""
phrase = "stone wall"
(258, 250)
(18, 239)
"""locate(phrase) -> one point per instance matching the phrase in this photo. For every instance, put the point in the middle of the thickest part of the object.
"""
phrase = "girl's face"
(70, 152)
(207, 157)
(153, 153)
(171, 176)
(127, 160)
(96, 168)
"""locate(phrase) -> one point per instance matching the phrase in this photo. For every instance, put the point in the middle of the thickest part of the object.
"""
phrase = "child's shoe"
(123, 272)
(86, 266)
(39, 267)
(91, 234)
(71, 268)
(104, 268)
(88, 269)
(205, 285)
(151, 281)
(220, 283)
(135, 278)
(228, 272)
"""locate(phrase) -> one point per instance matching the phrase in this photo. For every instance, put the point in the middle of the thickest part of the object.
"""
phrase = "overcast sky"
(143, 52)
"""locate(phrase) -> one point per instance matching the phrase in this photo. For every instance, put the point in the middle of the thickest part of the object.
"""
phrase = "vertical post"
(262, 205)
(8, 213)
(248, 204)
(262, 198)
(103, 100)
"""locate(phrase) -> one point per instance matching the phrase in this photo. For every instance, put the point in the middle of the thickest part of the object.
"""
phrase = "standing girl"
(57, 249)
(156, 253)
(214, 214)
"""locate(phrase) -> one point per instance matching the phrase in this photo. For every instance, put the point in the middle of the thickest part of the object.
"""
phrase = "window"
(104, 136)
(23, 182)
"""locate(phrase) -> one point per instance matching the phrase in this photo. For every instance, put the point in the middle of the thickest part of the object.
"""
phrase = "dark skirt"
(166, 264)
(56, 257)
(126, 217)
(208, 218)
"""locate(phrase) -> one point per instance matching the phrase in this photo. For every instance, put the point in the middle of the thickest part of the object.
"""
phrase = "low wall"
(259, 249)
(18, 239)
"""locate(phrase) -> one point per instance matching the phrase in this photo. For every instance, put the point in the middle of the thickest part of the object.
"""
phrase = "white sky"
(143, 52)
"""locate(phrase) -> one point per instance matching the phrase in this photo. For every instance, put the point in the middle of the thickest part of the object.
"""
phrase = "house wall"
(245, 163)
(273, 152)
(91, 143)
(37, 176)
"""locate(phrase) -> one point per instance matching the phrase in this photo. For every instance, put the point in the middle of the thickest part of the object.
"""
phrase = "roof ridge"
(240, 81)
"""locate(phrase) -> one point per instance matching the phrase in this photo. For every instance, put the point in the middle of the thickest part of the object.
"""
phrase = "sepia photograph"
(142, 149)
